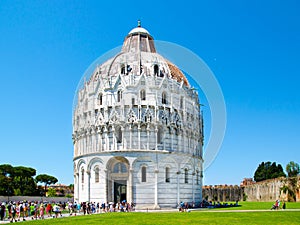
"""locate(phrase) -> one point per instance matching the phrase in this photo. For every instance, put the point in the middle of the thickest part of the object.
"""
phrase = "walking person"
(13, 213)
(49, 209)
(42, 210)
(2, 211)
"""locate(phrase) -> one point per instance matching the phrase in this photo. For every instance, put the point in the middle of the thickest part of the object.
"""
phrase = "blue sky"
(252, 47)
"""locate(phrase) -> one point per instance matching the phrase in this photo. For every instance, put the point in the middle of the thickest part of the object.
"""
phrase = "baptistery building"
(138, 130)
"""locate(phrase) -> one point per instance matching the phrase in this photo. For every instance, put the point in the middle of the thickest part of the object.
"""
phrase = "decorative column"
(85, 150)
(156, 206)
(193, 184)
(106, 186)
(94, 140)
(106, 141)
(156, 136)
(100, 141)
(172, 136)
(114, 138)
(164, 142)
(178, 187)
(139, 136)
(81, 144)
(148, 136)
(130, 186)
(130, 136)
(77, 187)
(123, 138)
(179, 147)
(88, 173)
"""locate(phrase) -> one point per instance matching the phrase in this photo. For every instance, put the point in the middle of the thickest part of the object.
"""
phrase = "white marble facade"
(138, 131)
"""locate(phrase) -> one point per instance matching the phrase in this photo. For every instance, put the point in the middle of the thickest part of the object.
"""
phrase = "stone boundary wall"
(34, 198)
(269, 190)
(222, 193)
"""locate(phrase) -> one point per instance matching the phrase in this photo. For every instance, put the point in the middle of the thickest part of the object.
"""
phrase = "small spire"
(139, 23)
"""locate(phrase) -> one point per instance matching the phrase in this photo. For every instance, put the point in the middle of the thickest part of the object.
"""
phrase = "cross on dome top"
(139, 29)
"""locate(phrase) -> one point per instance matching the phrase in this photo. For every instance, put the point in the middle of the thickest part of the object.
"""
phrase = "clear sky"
(252, 47)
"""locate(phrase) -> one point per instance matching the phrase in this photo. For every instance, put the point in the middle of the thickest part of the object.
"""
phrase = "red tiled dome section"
(177, 74)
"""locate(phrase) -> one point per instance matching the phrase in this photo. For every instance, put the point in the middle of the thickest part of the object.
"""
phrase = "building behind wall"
(137, 130)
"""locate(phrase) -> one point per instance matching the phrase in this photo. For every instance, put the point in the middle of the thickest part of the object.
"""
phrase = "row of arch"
(123, 168)
(117, 137)
(142, 96)
(126, 69)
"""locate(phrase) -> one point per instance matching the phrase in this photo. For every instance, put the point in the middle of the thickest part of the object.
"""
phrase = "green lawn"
(260, 205)
(211, 216)
(272, 217)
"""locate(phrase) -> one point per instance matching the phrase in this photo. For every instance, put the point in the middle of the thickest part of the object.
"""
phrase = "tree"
(291, 187)
(51, 192)
(6, 176)
(23, 180)
(292, 169)
(71, 186)
(46, 179)
(268, 170)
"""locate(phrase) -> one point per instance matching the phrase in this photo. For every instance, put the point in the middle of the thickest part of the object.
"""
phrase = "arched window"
(164, 98)
(96, 175)
(144, 174)
(100, 97)
(197, 177)
(143, 95)
(119, 95)
(82, 175)
(186, 178)
(167, 175)
(122, 69)
(86, 104)
(120, 168)
(156, 70)
(159, 135)
(119, 135)
(181, 102)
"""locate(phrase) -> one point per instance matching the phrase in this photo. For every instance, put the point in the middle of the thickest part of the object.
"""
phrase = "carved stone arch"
(93, 161)
(114, 117)
(131, 116)
(117, 159)
(80, 163)
(164, 117)
(99, 119)
(75, 168)
(176, 119)
(119, 132)
(147, 116)
(187, 164)
(140, 159)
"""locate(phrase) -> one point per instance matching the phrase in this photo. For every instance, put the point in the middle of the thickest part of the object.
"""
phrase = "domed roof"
(139, 30)
(139, 56)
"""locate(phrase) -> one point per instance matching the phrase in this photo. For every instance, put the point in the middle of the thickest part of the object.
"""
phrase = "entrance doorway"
(117, 178)
(120, 187)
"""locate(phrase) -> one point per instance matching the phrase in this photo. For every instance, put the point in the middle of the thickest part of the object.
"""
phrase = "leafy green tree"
(46, 179)
(292, 169)
(51, 192)
(6, 176)
(268, 170)
(23, 180)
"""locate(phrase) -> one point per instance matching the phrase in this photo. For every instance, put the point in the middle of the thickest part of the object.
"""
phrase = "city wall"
(268, 190)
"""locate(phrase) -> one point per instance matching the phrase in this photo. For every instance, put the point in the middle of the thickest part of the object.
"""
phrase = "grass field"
(194, 217)
(260, 205)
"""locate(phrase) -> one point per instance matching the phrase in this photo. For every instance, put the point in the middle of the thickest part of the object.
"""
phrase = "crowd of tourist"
(23, 210)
